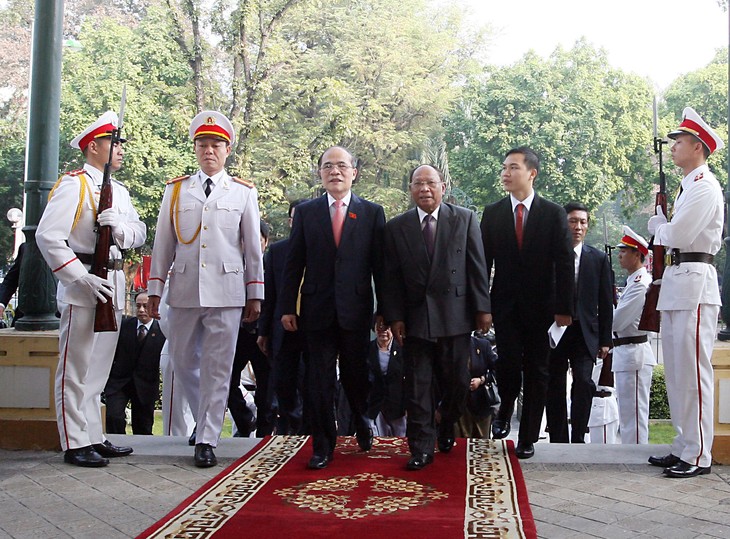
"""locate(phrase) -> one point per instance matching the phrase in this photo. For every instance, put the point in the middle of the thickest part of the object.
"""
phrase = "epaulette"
(247, 183)
(78, 172)
(178, 179)
(699, 176)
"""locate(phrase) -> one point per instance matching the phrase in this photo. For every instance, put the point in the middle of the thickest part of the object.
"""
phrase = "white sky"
(658, 39)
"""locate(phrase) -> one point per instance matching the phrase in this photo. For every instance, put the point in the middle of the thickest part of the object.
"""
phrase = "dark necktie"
(208, 187)
(428, 234)
(518, 224)
(141, 333)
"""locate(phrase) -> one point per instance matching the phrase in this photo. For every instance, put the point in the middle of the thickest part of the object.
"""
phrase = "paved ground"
(575, 491)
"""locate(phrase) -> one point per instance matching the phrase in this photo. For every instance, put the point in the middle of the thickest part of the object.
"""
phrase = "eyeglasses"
(430, 184)
(338, 166)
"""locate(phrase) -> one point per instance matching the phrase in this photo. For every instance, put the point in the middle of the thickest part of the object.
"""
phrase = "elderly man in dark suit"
(435, 294)
(588, 337)
(336, 246)
(527, 243)
(135, 374)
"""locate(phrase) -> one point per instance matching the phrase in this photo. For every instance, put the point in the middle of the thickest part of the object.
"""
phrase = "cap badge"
(210, 120)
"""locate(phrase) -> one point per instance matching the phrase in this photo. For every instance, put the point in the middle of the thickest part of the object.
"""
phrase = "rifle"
(649, 320)
(105, 318)
(608, 248)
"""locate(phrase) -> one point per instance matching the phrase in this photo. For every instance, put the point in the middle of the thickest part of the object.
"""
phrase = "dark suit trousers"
(143, 413)
(522, 362)
(325, 346)
(571, 350)
(287, 383)
(427, 363)
(247, 350)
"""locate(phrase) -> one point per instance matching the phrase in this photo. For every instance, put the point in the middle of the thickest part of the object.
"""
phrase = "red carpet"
(476, 490)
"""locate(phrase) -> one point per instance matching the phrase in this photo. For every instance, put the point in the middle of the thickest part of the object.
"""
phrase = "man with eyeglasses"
(435, 293)
(335, 245)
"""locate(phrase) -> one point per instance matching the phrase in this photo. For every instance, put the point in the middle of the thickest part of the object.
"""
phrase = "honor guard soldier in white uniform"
(209, 225)
(633, 359)
(66, 237)
(689, 299)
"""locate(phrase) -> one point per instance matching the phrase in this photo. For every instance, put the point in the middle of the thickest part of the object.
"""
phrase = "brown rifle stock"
(105, 318)
(649, 320)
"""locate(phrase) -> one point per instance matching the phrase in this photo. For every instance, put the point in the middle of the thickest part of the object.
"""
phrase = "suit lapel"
(413, 241)
(349, 228)
(324, 219)
(532, 226)
(221, 189)
(195, 187)
(445, 229)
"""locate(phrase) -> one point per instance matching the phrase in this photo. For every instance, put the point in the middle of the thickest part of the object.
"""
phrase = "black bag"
(484, 400)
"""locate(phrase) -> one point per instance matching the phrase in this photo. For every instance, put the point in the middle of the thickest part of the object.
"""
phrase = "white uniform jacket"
(696, 226)
(204, 237)
(626, 315)
(58, 239)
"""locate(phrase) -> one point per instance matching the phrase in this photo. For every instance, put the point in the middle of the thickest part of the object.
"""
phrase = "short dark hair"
(577, 206)
(438, 171)
(264, 229)
(532, 160)
(353, 160)
(294, 203)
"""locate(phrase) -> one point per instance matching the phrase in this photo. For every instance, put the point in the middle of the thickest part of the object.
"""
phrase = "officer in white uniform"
(690, 297)
(633, 359)
(209, 225)
(66, 237)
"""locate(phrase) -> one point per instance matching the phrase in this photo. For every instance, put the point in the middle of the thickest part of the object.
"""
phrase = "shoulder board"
(178, 179)
(78, 172)
(699, 176)
(247, 183)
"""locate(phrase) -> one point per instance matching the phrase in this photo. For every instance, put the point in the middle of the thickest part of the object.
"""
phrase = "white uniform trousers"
(687, 341)
(85, 359)
(632, 390)
(177, 418)
(202, 345)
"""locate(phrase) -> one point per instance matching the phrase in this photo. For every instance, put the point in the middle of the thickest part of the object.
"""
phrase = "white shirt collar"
(148, 325)
(96, 175)
(527, 202)
(215, 177)
(346, 199)
(422, 214)
(578, 249)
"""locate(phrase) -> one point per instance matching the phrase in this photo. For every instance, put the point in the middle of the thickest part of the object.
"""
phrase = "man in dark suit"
(283, 348)
(387, 405)
(10, 285)
(135, 374)
(587, 337)
(526, 240)
(435, 293)
(336, 245)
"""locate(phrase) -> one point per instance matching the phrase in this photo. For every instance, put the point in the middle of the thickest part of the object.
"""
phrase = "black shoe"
(319, 462)
(664, 462)
(204, 456)
(191, 440)
(109, 450)
(445, 444)
(500, 429)
(85, 457)
(525, 450)
(683, 469)
(419, 461)
(365, 439)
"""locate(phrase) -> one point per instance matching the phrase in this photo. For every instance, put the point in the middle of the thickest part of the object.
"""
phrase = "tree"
(590, 123)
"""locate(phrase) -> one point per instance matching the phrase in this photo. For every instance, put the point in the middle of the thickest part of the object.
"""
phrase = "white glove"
(99, 287)
(656, 221)
(109, 217)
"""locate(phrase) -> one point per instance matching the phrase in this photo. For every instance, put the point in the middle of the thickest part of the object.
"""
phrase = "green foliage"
(658, 401)
(589, 122)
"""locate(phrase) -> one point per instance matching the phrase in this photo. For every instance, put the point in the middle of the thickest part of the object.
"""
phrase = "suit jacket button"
(204, 246)
(203, 264)
(205, 227)
(453, 271)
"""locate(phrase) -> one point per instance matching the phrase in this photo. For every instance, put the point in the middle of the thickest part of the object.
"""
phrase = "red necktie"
(338, 220)
(518, 224)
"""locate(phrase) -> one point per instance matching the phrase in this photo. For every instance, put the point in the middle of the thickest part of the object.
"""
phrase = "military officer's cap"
(210, 123)
(102, 127)
(693, 124)
(634, 241)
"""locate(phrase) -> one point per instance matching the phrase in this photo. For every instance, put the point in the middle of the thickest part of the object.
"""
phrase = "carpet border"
(523, 502)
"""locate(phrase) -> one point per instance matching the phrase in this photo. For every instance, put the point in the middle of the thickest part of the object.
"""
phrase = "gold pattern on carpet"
(383, 447)
(380, 495)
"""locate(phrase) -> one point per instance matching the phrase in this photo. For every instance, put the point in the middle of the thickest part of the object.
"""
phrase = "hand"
(101, 288)
(483, 322)
(398, 328)
(252, 310)
(289, 321)
(153, 306)
(563, 319)
(109, 217)
(603, 352)
(474, 384)
(263, 344)
(656, 221)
